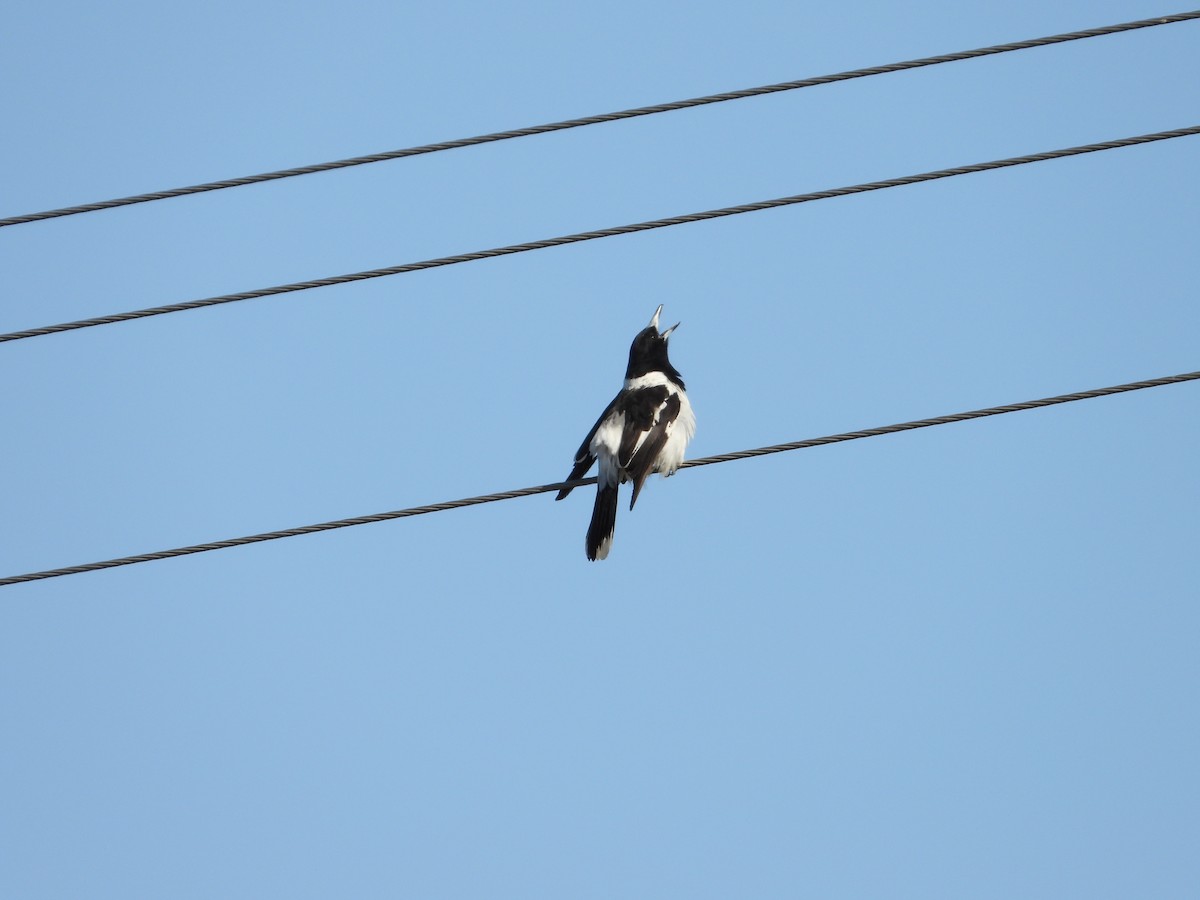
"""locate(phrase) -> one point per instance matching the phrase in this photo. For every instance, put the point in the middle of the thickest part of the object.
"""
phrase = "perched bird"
(645, 429)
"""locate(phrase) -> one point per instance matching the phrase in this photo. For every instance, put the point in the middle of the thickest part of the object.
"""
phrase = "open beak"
(654, 323)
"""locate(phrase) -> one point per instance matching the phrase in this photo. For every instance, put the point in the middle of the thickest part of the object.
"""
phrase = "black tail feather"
(604, 521)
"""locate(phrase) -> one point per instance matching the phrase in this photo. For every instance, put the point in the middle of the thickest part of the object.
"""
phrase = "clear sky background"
(960, 662)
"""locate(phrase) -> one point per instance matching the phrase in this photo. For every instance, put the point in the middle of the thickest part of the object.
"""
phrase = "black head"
(649, 352)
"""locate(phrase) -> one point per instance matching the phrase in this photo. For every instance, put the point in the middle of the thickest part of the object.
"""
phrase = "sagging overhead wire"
(600, 233)
(545, 488)
(604, 117)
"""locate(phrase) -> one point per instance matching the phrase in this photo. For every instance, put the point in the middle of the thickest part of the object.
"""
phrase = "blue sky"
(956, 662)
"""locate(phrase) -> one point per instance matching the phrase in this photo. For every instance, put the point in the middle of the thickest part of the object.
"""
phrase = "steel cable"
(545, 488)
(605, 117)
(600, 233)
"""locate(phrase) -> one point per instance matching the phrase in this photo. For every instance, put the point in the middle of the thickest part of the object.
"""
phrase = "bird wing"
(584, 459)
(650, 446)
(639, 410)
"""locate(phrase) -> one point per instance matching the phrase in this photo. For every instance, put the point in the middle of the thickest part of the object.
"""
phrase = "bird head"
(649, 350)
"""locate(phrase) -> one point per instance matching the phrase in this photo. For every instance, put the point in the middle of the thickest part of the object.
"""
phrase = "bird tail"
(604, 522)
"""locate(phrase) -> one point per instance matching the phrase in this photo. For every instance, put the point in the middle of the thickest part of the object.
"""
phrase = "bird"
(645, 429)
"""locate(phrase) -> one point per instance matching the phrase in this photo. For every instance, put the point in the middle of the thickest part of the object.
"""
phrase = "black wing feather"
(643, 461)
(583, 456)
(641, 409)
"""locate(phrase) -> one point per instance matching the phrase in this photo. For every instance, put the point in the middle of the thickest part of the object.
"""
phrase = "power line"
(601, 233)
(605, 117)
(545, 488)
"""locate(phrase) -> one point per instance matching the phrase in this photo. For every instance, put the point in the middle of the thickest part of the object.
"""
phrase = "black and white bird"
(644, 430)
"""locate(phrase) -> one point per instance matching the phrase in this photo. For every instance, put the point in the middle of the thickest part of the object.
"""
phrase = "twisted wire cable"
(546, 488)
(601, 233)
(605, 117)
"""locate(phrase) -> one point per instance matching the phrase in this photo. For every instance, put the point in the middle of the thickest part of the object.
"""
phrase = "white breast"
(678, 434)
